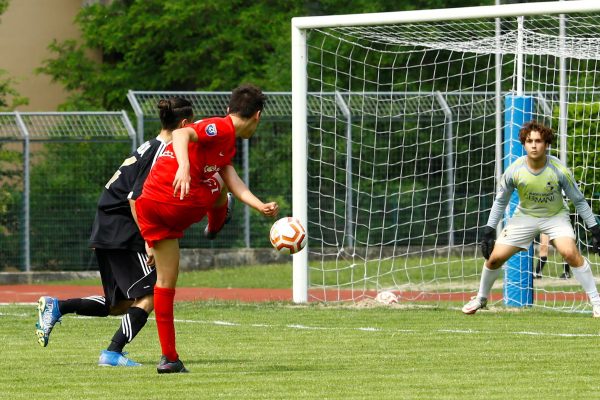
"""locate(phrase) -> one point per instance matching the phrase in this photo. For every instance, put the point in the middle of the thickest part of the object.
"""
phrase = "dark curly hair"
(546, 133)
(246, 100)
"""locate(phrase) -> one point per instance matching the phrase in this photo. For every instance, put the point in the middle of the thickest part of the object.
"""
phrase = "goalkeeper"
(539, 179)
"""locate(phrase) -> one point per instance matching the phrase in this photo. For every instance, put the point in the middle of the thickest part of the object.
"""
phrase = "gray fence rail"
(52, 168)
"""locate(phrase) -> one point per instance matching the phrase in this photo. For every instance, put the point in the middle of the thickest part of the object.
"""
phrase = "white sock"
(584, 276)
(488, 277)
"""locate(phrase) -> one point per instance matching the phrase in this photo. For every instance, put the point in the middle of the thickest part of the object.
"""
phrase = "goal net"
(400, 124)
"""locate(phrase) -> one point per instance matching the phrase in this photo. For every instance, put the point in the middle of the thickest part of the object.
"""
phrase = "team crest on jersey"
(211, 130)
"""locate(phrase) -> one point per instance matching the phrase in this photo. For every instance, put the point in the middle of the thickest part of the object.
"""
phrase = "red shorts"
(160, 221)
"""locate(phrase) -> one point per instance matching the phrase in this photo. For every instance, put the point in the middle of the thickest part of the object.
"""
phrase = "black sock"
(93, 306)
(541, 263)
(132, 322)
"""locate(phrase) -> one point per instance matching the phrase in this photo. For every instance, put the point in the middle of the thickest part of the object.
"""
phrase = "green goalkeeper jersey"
(540, 193)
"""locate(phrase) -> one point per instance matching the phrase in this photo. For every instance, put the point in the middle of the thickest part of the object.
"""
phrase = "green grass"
(281, 351)
(273, 276)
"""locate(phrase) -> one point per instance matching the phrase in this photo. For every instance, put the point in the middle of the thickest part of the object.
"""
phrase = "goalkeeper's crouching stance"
(539, 180)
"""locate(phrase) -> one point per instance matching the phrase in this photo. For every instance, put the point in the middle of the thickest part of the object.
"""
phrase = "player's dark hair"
(546, 133)
(173, 110)
(246, 100)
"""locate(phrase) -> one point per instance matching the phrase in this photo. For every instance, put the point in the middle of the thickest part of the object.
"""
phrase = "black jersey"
(114, 226)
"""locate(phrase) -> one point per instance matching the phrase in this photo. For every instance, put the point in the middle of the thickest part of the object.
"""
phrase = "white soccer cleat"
(596, 310)
(475, 304)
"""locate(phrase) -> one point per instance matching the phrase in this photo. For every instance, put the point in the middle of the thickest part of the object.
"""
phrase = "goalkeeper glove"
(595, 238)
(489, 239)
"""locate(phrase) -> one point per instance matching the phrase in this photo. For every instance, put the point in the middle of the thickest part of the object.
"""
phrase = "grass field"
(281, 351)
(284, 351)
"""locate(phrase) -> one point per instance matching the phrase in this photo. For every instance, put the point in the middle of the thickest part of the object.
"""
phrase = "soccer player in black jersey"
(126, 264)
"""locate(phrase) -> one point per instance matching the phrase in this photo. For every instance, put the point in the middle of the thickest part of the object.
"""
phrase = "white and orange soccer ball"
(288, 236)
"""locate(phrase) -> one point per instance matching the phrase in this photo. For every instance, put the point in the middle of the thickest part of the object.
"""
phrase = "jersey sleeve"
(570, 188)
(505, 190)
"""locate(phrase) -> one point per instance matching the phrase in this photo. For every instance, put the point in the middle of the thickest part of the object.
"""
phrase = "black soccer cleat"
(170, 367)
(566, 275)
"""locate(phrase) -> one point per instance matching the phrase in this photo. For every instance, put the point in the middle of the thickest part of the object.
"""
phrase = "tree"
(183, 45)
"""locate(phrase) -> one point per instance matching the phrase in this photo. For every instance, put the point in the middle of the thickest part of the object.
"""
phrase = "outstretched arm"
(502, 198)
(181, 139)
(581, 205)
(583, 208)
(241, 191)
(488, 235)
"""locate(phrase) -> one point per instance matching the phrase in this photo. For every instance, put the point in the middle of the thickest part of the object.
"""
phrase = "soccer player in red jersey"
(182, 188)
(126, 265)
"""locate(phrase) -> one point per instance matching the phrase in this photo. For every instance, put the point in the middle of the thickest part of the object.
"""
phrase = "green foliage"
(66, 181)
(183, 45)
(9, 97)
(583, 140)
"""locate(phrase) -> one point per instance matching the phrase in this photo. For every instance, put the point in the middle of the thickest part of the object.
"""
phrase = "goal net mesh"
(402, 150)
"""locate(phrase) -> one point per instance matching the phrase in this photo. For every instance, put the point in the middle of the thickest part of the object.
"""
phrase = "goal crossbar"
(446, 14)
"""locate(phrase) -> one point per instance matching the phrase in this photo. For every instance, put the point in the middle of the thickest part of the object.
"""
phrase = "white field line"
(358, 329)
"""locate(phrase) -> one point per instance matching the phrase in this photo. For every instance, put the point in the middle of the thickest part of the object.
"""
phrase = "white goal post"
(395, 168)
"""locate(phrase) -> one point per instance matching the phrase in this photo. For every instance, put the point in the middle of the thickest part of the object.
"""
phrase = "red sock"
(163, 310)
(216, 217)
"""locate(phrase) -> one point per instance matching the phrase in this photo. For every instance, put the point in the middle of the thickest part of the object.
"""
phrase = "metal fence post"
(26, 193)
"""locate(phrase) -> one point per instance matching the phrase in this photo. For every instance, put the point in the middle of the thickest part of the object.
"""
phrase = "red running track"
(31, 293)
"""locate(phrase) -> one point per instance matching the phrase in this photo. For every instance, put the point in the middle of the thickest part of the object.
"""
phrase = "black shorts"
(125, 275)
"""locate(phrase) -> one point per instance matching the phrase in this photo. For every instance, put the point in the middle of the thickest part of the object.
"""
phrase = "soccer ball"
(288, 235)
(386, 297)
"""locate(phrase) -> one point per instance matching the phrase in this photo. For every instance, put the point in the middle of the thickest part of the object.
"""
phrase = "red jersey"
(214, 150)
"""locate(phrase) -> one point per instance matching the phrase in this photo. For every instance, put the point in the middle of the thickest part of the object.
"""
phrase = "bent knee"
(120, 308)
(146, 303)
(494, 262)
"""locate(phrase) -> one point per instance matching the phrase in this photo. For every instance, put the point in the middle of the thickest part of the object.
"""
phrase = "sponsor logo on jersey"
(211, 130)
(167, 153)
(210, 168)
(221, 154)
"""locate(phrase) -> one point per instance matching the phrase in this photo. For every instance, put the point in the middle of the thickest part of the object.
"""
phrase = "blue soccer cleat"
(48, 315)
(115, 359)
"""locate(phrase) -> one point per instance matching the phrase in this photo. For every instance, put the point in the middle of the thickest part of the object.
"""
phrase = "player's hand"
(181, 183)
(488, 239)
(270, 209)
(150, 253)
(595, 238)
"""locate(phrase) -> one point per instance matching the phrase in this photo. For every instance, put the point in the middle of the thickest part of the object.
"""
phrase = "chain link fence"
(53, 166)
